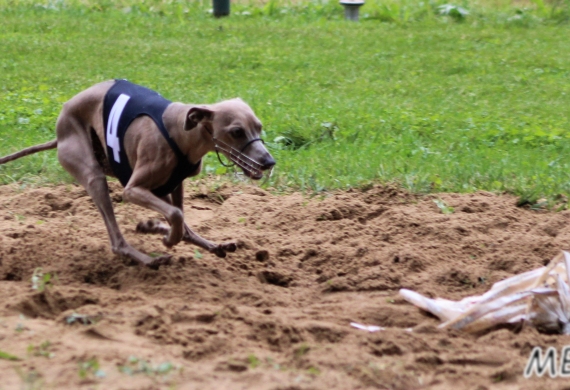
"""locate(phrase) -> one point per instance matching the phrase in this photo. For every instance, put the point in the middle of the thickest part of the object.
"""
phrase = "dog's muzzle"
(251, 168)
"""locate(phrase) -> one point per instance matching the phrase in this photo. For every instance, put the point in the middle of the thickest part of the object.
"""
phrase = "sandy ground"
(275, 314)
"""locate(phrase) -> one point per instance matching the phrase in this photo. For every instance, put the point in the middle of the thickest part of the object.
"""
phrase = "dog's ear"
(196, 115)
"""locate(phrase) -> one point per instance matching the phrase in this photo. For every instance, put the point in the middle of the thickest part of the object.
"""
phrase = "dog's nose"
(268, 163)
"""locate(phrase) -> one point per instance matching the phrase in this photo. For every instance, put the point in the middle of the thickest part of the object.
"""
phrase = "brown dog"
(153, 156)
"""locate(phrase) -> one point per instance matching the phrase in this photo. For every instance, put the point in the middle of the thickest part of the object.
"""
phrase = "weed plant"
(431, 95)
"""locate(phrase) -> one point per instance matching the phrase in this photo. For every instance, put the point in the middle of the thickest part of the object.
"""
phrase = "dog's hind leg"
(75, 153)
(154, 226)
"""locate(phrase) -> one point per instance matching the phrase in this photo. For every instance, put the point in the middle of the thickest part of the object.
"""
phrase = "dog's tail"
(30, 150)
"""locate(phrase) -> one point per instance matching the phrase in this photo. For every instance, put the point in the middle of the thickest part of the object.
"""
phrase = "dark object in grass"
(351, 9)
(221, 8)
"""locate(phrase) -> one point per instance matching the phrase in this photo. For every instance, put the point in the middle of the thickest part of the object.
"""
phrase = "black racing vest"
(123, 103)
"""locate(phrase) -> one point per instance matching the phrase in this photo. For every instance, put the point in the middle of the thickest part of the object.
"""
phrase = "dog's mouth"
(255, 175)
(249, 166)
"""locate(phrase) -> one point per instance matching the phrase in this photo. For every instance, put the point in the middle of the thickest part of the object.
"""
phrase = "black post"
(221, 8)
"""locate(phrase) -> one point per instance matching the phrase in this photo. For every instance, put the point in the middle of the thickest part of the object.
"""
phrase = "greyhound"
(152, 145)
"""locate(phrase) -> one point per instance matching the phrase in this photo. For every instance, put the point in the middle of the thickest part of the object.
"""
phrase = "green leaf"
(100, 374)
(445, 209)
(164, 368)
(126, 370)
(253, 361)
(7, 356)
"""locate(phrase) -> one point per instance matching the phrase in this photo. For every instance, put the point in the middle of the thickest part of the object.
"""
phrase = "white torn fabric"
(368, 328)
(540, 297)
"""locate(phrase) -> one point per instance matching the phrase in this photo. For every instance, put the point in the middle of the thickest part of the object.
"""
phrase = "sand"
(276, 313)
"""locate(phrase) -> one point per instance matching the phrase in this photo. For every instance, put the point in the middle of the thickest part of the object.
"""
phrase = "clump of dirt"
(276, 313)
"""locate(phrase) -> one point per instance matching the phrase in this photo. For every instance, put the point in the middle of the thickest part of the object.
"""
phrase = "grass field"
(407, 95)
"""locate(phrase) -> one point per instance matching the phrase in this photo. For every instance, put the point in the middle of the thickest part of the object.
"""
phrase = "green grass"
(432, 102)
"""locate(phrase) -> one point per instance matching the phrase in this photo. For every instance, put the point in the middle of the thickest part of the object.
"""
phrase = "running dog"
(151, 145)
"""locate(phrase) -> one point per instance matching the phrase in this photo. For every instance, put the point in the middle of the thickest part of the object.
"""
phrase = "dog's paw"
(168, 242)
(229, 246)
(221, 249)
(159, 261)
(147, 261)
(151, 226)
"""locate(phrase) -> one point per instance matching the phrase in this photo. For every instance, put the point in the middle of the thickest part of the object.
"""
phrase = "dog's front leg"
(177, 198)
(175, 217)
(154, 226)
(192, 237)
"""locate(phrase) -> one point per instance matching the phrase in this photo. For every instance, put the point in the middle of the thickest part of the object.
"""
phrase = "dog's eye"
(238, 133)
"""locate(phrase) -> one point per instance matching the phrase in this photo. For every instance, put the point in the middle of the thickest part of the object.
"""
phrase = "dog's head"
(235, 132)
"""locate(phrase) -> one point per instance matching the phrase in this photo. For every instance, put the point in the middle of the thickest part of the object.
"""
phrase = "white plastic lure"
(540, 297)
